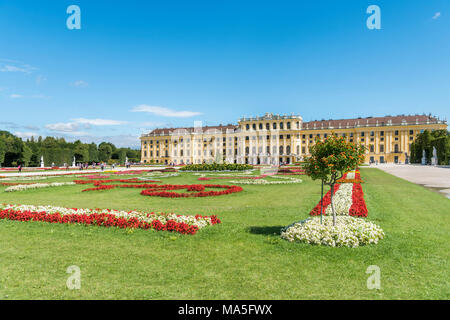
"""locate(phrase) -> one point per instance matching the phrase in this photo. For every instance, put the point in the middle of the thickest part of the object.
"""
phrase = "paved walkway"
(434, 177)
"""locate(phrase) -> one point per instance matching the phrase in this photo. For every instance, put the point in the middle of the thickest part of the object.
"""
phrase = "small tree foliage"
(330, 159)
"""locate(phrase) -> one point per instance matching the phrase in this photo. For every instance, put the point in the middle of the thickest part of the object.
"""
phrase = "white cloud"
(15, 96)
(26, 135)
(80, 83)
(15, 66)
(164, 112)
(99, 122)
(63, 127)
(436, 15)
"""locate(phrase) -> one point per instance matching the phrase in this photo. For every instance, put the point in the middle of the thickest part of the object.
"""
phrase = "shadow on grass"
(267, 230)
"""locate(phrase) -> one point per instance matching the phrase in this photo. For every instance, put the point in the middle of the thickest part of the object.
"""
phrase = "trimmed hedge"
(216, 167)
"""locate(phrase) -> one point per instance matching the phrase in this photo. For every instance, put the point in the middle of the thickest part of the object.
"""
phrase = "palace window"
(381, 147)
(288, 125)
(260, 126)
(247, 127)
(267, 126)
(281, 136)
(396, 132)
(371, 148)
(288, 136)
(372, 133)
(411, 132)
(362, 134)
(381, 133)
(281, 125)
(254, 126)
(274, 125)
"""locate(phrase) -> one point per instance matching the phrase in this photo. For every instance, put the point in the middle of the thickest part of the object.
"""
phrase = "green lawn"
(242, 258)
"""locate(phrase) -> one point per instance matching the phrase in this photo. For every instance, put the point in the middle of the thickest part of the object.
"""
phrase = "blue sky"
(137, 65)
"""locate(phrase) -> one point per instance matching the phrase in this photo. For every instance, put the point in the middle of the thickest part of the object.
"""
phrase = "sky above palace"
(137, 65)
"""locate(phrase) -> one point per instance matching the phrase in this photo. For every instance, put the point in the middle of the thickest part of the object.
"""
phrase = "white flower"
(348, 232)
(22, 187)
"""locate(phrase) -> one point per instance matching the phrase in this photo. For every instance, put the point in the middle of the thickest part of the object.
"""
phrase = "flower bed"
(158, 192)
(348, 199)
(155, 190)
(21, 178)
(22, 187)
(216, 167)
(348, 232)
(183, 224)
(260, 181)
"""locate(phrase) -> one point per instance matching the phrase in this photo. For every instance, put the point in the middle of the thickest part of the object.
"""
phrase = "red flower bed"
(358, 208)
(155, 190)
(101, 219)
(325, 203)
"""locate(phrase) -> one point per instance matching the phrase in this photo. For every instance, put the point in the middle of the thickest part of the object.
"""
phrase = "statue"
(424, 157)
(42, 161)
(73, 163)
(434, 159)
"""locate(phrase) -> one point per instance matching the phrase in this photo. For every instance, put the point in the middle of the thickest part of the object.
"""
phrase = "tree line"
(14, 151)
(440, 139)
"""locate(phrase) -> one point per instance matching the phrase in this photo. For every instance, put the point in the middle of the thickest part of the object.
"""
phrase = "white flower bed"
(22, 187)
(190, 220)
(348, 232)
(158, 175)
(26, 178)
(342, 200)
(262, 181)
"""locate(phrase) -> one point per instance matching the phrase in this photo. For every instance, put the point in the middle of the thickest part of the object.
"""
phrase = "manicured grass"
(242, 258)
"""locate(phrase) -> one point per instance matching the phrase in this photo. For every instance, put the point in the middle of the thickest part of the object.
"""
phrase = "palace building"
(276, 139)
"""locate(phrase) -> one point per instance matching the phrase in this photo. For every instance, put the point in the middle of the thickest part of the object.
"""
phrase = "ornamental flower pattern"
(348, 199)
(183, 224)
(163, 190)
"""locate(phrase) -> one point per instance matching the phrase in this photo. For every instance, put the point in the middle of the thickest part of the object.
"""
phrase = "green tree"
(104, 151)
(93, 153)
(330, 159)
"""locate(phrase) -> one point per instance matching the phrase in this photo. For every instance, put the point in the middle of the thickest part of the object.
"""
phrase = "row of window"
(275, 126)
(288, 136)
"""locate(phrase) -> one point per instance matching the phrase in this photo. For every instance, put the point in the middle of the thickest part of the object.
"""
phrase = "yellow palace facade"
(283, 139)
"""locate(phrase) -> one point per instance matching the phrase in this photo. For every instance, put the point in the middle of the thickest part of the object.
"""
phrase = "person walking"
(20, 168)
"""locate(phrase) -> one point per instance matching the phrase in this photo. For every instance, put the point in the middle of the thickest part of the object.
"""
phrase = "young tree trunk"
(332, 204)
